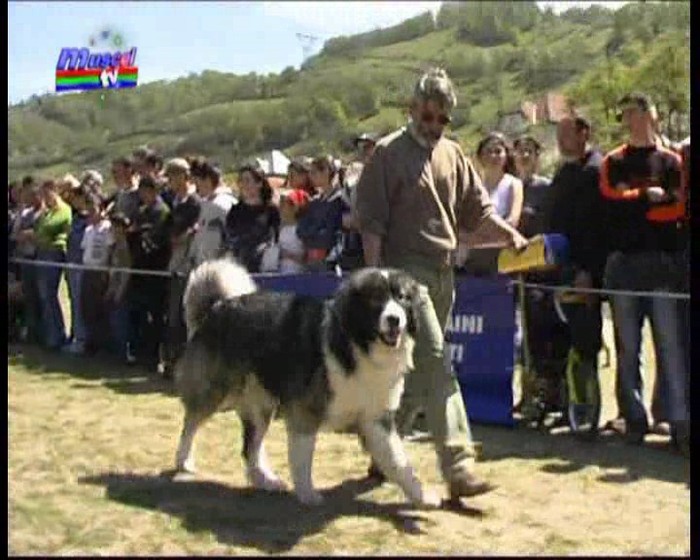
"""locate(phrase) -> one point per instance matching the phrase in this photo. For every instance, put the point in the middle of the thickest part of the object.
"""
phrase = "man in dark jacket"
(150, 250)
(577, 211)
(182, 223)
(642, 184)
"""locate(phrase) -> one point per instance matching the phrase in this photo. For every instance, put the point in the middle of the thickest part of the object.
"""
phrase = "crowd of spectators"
(625, 215)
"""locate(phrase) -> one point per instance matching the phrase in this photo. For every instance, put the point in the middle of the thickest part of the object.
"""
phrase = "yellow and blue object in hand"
(543, 252)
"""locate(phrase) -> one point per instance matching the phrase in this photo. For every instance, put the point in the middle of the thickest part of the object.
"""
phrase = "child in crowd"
(74, 255)
(292, 205)
(115, 297)
(97, 244)
(321, 226)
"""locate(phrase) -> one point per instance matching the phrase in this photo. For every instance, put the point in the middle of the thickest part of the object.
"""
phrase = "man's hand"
(518, 242)
(26, 235)
(656, 194)
(494, 230)
(349, 221)
(462, 254)
(583, 279)
(372, 248)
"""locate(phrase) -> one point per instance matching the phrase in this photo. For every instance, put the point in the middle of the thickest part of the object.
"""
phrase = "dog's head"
(378, 305)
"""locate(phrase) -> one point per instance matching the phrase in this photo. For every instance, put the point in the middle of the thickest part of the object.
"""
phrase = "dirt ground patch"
(88, 441)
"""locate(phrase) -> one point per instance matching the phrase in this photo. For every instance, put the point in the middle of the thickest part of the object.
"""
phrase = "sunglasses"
(429, 118)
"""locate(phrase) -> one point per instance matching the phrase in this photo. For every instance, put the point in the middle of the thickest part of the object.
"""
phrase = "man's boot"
(466, 484)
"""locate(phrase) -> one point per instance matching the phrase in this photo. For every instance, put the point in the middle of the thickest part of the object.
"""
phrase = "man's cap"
(371, 137)
(178, 165)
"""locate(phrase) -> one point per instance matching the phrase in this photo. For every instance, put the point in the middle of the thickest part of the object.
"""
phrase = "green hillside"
(498, 53)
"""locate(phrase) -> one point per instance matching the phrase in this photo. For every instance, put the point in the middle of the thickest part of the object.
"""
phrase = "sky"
(177, 38)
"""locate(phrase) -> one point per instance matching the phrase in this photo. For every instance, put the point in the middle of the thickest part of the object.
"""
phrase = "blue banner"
(480, 338)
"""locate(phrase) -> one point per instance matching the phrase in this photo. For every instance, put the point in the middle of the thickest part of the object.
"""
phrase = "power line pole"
(307, 43)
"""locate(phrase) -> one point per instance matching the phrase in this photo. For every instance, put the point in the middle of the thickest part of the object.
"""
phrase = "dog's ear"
(339, 343)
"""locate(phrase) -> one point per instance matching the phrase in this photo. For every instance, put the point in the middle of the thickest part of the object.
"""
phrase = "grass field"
(88, 440)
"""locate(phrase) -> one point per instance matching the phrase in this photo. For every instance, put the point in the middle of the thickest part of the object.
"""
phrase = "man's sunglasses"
(429, 118)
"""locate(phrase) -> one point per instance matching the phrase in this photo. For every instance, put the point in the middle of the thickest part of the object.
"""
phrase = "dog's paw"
(266, 481)
(310, 498)
(185, 466)
(181, 475)
(273, 485)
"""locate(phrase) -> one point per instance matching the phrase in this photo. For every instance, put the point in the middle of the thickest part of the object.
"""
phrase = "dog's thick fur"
(327, 366)
(210, 282)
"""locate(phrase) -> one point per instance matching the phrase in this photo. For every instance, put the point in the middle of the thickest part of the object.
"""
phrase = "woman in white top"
(498, 176)
(506, 190)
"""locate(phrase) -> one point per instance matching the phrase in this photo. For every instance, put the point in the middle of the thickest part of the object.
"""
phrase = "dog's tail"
(209, 283)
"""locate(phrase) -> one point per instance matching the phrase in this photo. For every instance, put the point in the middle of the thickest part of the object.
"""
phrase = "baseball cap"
(177, 164)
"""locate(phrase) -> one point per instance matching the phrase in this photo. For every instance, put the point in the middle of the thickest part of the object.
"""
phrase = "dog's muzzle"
(392, 324)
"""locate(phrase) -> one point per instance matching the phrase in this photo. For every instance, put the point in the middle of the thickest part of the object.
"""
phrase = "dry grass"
(87, 441)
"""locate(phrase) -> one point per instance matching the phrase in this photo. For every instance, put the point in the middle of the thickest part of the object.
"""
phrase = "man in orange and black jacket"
(642, 185)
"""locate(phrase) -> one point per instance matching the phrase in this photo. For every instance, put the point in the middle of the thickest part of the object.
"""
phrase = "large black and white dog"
(337, 366)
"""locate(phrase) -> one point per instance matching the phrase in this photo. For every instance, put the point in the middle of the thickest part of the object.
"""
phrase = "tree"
(361, 101)
(665, 75)
(288, 75)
